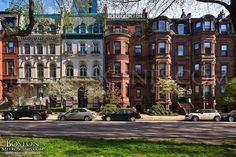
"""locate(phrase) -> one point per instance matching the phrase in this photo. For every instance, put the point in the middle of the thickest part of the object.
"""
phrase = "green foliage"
(108, 108)
(23, 103)
(229, 95)
(159, 110)
(170, 86)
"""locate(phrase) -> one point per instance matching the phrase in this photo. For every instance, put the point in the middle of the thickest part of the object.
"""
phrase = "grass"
(62, 147)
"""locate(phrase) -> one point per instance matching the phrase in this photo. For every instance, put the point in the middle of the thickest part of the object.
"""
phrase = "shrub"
(108, 108)
(159, 110)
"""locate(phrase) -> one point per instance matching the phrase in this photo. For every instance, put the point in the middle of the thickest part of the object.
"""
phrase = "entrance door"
(82, 99)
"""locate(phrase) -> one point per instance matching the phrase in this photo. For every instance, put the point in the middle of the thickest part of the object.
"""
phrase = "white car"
(204, 114)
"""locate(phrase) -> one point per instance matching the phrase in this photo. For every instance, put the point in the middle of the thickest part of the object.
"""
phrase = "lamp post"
(41, 96)
(189, 93)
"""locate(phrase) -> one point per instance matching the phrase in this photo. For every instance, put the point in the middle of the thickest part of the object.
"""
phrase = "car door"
(73, 114)
(82, 113)
(117, 115)
(203, 115)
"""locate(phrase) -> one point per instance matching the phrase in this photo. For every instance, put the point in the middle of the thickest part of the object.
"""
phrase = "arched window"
(53, 71)
(162, 25)
(82, 28)
(27, 48)
(69, 71)
(96, 71)
(27, 71)
(83, 70)
(40, 71)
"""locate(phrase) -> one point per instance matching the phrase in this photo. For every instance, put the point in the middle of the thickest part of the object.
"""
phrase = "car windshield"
(199, 111)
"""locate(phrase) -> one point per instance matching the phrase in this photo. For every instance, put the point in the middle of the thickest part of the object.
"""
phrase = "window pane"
(162, 25)
(207, 46)
(224, 50)
(180, 72)
(162, 48)
(11, 68)
(10, 47)
(117, 67)
(208, 70)
(197, 27)
(138, 68)
(207, 25)
(180, 50)
(180, 28)
(138, 31)
(138, 50)
(117, 47)
(224, 70)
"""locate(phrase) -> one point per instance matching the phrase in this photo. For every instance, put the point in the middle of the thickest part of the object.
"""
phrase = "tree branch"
(216, 2)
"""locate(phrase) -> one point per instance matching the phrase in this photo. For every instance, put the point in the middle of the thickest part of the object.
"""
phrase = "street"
(148, 129)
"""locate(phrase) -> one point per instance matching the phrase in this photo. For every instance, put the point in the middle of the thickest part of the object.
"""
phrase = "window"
(27, 48)
(96, 28)
(224, 70)
(197, 69)
(138, 31)
(117, 47)
(96, 71)
(222, 90)
(27, 70)
(96, 48)
(82, 48)
(82, 28)
(197, 89)
(127, 90)
(138, 68)
(138, 50)
(180, 50)
(117, 67)
(138, 93)
(196, 48)
(207, 91)
(126, 68)
(83, 70)
(207, 46)
(40, 28)
(10, 47)
(117, 29)
(10, 68)
(40, 71)
(126, 48)
(180, 71)
(162, 25)
(153, 48)
(207, 25)
(125, 29)
(181, 29)
(162, 48)
(197, 27)
(52, 49)
(224, 50)
(223, 29)
(69, 47)
(207, 70)
(53, 71)
(39, 49)
(69, 71)
(162, 69)
(110, 29)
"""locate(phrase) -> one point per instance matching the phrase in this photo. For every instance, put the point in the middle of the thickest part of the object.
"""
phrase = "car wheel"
(217, 119)
(132, 119)
(195, 118)
(7, 117)
(231, 119)
(63, 118)
(108, 118)
(36, 117)
(86, 118)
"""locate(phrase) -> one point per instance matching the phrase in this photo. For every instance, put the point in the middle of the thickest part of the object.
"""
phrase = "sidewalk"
(144, 117)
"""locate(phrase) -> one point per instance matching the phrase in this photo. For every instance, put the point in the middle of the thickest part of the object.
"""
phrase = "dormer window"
(223, 28)
(181, 29)
(82, 28)
(162, 26)
(117, 28)
(40, 28)
(197, 27)
(207, 25)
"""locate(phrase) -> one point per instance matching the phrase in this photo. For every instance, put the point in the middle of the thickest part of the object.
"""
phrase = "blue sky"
(3, 5)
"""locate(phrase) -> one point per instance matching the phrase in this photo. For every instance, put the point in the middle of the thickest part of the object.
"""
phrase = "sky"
(174, 12)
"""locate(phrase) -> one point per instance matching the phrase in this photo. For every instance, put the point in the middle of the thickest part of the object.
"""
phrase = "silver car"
(78, 114)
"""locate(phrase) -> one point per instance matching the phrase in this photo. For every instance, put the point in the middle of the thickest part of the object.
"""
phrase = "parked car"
(25, 111)
(122, 114)
(204, 114)
(231, 116)
(78, 114)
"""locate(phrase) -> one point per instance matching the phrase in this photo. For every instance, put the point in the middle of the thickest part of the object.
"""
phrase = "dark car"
(25, 111)
(122, 114)
(231, 116)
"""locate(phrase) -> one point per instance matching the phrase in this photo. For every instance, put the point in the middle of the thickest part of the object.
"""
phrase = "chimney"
(105, 10)
(144, 14)
(183, 14)
(221, 14)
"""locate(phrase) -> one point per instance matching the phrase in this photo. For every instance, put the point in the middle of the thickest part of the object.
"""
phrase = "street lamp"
(41, 96)
(189, 93)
